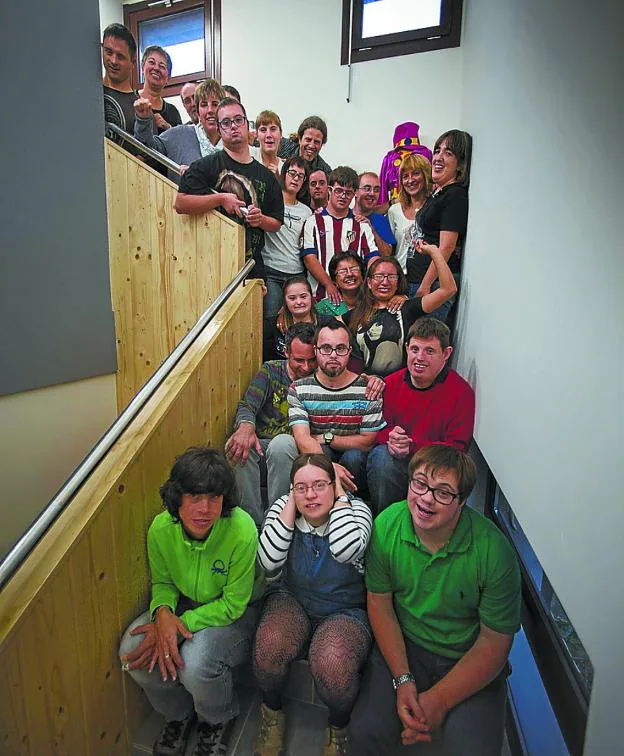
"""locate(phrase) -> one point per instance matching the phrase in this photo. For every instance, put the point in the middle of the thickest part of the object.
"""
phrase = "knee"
(378, 457)
(282, 447)
(129, 642)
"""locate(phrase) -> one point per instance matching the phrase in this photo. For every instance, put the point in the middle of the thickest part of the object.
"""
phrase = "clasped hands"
(160, 645)
(420, 713)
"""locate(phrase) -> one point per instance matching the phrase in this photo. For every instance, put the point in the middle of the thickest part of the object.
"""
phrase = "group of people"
(333, 525)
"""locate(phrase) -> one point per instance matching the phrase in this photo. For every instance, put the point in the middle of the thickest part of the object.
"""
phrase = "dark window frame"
(441, 37)
(146, 11)
(566, 696)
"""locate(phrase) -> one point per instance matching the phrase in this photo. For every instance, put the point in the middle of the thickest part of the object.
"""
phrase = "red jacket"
(444, 413)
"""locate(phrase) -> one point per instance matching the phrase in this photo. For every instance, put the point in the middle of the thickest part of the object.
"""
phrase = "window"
(373, 29)
(562, 661)
(189, 30)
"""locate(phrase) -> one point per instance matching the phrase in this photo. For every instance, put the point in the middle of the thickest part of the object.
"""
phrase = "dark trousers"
(473, 728)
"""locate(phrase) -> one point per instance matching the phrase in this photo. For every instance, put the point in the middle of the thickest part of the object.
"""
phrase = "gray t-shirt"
(281, 249)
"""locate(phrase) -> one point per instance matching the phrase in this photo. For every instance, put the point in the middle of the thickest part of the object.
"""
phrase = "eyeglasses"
(379, 277)
(368, 188)
(344, 272)
(319, 486)
(341, 350)
(441, 495)
(295, 174)
(227, 123)
(346, 193)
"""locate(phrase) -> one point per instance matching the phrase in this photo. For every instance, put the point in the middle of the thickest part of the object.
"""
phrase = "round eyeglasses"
(319, 486)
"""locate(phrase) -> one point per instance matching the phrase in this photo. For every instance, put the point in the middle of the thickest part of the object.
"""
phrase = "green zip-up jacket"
(217, 574)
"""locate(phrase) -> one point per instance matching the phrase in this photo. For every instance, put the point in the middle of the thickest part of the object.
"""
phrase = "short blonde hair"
(414, 162)
(266, 117)
(206, 88)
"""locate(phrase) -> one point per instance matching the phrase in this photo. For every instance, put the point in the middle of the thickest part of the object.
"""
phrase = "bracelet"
(344, 499)
(402, 679)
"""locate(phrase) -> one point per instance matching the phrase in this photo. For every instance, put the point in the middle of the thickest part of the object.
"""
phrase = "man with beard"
(366, 200)
(329, 411)
(334, 230)
(232, 181)
(311, 136)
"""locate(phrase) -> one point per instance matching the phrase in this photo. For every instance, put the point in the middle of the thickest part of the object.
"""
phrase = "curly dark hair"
(200, 470)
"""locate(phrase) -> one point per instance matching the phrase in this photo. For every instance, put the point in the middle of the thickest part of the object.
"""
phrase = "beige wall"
(45, 435)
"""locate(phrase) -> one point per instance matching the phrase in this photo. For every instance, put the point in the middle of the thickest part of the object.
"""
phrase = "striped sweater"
(345, 411)
(349, 531)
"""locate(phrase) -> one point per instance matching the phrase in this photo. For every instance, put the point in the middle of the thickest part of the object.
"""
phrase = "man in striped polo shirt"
(335, 230)
(328, 411)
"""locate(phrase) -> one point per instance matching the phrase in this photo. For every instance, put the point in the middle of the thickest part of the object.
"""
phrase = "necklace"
(318, 532)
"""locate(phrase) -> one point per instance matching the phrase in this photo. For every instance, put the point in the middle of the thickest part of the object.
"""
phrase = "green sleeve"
(501, 596)
(236, 593)
(164, 591)
(377, 575)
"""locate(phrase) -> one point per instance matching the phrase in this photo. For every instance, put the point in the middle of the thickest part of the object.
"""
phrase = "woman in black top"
(442, 220)
(379, 333)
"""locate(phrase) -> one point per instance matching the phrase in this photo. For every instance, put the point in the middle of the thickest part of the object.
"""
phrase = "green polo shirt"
(440, 599)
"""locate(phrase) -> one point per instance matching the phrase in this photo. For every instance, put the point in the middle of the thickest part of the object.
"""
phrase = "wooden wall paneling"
(121, 281)
(139, 210)
(95, 589)
(157, 320)
(166, 224)
(209, 278)
(50, 667)
(14, 738)
(233, 360)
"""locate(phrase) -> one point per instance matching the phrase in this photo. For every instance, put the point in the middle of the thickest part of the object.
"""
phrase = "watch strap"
(402, 679)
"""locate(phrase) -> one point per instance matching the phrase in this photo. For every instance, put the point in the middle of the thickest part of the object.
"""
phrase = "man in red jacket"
(426, 403)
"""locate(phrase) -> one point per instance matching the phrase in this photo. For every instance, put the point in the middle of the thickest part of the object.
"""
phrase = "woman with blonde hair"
(414, 188)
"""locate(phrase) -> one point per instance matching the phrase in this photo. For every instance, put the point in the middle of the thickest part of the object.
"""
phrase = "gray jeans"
(205, 684)
(279, 454)
(473, 728)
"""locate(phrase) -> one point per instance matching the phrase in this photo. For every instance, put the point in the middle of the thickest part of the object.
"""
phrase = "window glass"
(182, 36)
(393, 16)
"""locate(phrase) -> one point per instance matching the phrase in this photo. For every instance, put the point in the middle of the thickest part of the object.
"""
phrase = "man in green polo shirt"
(444, 603)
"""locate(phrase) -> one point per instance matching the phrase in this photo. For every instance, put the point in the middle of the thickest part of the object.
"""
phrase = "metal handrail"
(33, 535)
(162, 159)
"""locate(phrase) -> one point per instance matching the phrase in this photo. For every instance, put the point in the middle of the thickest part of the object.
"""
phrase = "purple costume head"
(405, 142)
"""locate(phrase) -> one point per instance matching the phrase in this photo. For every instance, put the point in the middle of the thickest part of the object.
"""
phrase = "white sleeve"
(275, 538)
(349, 531)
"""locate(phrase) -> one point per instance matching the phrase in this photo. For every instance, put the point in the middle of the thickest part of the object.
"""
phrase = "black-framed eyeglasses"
(326, 349)
(227, 123)
(441, 495)
(295, 174)
(379, 277)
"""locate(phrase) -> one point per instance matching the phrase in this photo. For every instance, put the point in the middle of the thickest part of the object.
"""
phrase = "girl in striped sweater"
(312, 546)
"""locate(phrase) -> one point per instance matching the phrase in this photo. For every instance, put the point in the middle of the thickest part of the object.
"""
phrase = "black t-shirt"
(381, 344)
(445, 210)
(171, 114)
(119, 109)
(250, 182)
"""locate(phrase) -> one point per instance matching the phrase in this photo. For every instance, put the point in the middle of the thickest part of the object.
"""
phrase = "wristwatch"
(343, 499)
(328, 437)
(401, 679)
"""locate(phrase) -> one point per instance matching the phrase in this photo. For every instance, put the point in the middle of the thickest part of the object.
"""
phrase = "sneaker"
(210, 740)
(173, 737)
(335, 741)
(269, 739)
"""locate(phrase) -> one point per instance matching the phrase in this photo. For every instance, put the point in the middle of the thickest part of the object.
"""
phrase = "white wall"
(541, 322)
(286, 57)
(45, 435)
(111, 12)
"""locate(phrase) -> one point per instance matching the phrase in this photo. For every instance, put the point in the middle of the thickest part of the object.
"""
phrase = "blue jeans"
(355, 462)
(205, 684)
(387, 478)
(443, 310)
(475, 727)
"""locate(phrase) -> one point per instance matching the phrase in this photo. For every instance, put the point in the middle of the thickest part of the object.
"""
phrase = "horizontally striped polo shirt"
(326, 236)
(345, 411)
